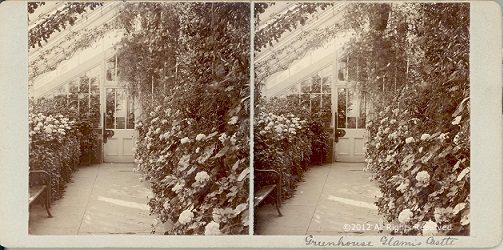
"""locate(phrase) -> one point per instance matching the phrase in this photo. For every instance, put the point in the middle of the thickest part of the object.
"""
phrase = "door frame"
(335, 98)
(114, 85)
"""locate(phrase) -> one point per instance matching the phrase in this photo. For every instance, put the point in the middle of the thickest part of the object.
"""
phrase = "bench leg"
(48, 202)
(278, 204)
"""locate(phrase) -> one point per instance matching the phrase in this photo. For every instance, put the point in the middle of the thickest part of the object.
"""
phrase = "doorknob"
(340, 132)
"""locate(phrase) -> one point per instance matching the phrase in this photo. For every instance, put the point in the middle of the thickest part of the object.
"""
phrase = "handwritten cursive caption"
(385, 241)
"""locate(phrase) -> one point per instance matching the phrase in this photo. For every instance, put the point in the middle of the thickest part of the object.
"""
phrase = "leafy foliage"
(189, 64)
(288, 139)
(411, 62)
(82, 122)
(66, 16)
(282, 143)
(32, 6)
(54, 147)
(415, 63)
(288, 21)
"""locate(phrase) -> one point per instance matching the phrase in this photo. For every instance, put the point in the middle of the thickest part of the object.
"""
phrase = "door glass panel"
(121, 103)
(352, 108)
(119, 109)
(120, 122)
(351, 122)
(130, 114)
(110, 108)
(342, 72)
(341, 108)
(111, 70)
(361, 120)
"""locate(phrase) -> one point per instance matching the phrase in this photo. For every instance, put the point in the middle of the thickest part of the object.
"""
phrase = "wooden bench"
(267, 190)
(41, 190)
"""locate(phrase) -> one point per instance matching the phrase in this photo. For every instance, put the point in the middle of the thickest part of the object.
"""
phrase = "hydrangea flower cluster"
(423, 178)
(278, 127)
(185, 217)
(202, 177)
(411, 161)
(405, 216)
(212, 228)
(48, 128)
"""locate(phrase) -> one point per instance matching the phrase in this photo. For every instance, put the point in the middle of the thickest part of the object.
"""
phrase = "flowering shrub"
(54, 147)
(314, 122)
(199, 175)
(424, 175)
(283, 143)
(193, 145)
(84, 122)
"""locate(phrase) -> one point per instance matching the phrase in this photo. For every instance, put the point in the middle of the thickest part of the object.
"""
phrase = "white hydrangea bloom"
(212, 228)
(185, 217)
(405, 216)
(423, 178)
(233, 120)
(403, 186)
(425, 137)
(200, 137)
(202, 177)
(430, 228)
(184, 140)
(177, 187)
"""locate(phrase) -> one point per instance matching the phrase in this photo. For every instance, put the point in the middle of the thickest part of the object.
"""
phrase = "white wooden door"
(350, 123)
(119, 133)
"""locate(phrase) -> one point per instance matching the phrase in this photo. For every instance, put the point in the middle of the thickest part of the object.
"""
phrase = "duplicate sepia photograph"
(139, 118)
(362, 118)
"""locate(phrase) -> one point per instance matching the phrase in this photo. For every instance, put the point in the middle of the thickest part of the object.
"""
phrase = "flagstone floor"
(103, 199)
(330, 198)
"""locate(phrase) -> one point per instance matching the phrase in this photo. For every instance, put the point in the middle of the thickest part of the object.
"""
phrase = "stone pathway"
(103, 199)
(329, 197)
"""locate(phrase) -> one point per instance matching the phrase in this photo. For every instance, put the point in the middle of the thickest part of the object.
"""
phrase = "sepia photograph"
(259, 124)
(362, 118)
(139, 118)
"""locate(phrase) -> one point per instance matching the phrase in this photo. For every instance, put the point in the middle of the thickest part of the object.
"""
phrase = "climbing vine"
(58, 21)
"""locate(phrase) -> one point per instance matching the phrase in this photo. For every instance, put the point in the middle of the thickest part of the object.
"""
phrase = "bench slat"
(35, 192)
(262, 193)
